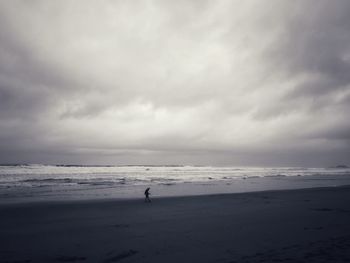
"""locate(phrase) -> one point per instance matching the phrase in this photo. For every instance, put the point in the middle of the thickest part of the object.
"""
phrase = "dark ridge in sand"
(310, 225)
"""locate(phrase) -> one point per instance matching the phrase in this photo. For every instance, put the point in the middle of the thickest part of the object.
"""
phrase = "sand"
(310, 225)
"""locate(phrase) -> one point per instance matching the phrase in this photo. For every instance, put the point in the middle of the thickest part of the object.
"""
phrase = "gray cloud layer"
(195, 82)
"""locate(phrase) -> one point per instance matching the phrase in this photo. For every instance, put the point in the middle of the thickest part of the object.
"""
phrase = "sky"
(241, 83)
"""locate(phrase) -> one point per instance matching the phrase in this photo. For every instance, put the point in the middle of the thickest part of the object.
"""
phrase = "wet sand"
(310, 225)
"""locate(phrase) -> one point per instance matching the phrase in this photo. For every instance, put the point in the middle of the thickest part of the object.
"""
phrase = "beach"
(304, 225)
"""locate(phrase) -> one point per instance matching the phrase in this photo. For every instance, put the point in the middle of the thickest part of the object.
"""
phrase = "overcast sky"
(175, 82)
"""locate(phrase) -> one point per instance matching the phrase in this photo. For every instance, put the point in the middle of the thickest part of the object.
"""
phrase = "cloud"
(179, 82)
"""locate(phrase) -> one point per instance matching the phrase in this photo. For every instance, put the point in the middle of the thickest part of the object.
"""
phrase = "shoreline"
(76, 183)
(141, 198)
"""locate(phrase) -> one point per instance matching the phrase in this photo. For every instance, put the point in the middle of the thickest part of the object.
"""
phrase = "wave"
(275, 175)
(51, 180)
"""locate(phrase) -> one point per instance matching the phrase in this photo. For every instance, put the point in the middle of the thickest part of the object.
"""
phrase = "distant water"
(20, 183)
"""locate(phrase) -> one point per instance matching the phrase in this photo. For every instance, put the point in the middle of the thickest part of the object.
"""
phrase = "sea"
(37, 182)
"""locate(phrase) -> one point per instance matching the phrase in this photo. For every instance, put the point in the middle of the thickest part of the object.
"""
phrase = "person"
(147, 194)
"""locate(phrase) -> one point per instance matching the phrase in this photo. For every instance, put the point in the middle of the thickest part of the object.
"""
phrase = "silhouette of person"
(147, 194)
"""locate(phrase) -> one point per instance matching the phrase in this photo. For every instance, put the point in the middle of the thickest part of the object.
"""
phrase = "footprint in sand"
(120, 256)
(70, 258)
(313, 228)
(323, 209)
(121, 225)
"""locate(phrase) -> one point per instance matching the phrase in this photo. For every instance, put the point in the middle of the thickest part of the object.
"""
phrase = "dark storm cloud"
(28, 83)
(315, 43)
(314, 47)
(175, 81)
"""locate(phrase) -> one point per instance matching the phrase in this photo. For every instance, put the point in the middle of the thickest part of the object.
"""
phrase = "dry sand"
(311, 225)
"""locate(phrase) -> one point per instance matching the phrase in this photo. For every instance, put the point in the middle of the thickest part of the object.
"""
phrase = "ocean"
(33, 182)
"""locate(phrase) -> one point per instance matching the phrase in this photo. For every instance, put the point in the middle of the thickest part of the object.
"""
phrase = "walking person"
(147, 194)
